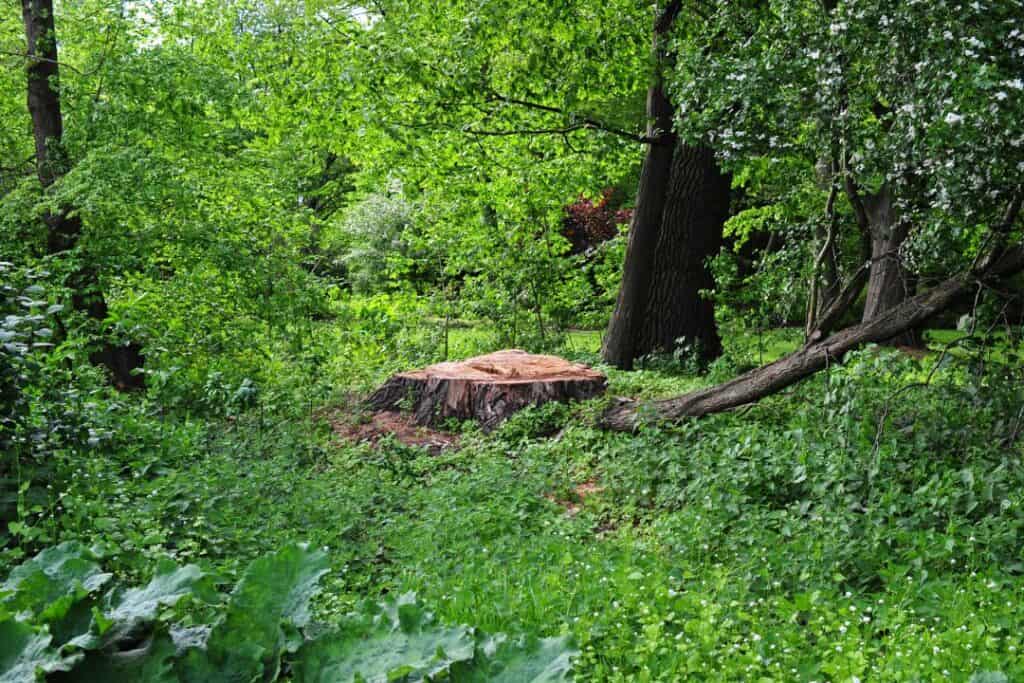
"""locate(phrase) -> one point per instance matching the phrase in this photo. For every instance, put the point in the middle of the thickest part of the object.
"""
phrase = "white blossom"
(952, 118)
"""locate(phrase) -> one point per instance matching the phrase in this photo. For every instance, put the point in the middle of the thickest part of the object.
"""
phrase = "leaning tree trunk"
(620, 344)
(889, 282)
(63, 228)
(676, 225)
(691, 231)
(814, 356)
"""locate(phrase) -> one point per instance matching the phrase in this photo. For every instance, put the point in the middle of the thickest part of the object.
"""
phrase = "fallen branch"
(812, 357)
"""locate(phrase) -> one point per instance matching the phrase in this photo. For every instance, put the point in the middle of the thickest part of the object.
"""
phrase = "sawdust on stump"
(487, 388)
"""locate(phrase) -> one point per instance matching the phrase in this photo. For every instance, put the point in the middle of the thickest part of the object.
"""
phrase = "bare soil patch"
(574, 502)
(371, 427)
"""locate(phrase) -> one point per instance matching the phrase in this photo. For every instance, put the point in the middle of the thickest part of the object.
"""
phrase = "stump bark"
(487, 388)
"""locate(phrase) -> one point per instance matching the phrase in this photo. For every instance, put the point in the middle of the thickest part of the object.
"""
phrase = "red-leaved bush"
(588, 223)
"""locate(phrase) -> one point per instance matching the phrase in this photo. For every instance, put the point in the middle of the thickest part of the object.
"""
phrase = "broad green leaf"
(152, 662)
(390, 641)
(247, 643)
(135, 606)
(52, 582)
(26, 655)
(167, 586)
(523, 660)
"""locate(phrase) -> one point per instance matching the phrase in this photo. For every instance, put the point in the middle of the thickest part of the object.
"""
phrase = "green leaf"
(246, 644)
(168, 585)
(53, 586)
(388, 641)
(25, 654)
(989, 677)
(50, 583)
(152, 662)
(136, 606)
(523, 660)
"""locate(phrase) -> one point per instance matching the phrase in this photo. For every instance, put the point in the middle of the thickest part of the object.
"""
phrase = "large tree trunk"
(681, 203)
(889, 283)
(814, 356)
(63, 228)
(620, 345)
(43, 89)
(691, 231)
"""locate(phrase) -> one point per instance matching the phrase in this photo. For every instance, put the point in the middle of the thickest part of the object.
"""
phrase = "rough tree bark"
(63, 227)
(815, 355)
(681, 202)
(619, 346)
(695, 210)
(889, 283)
(486, 388)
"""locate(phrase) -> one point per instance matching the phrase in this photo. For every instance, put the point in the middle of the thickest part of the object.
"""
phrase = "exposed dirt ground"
(371, 427)
(574, 503)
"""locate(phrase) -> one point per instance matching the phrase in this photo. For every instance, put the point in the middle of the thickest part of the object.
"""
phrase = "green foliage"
(52, 582)
(285, 202)
(266, 607)
(265, 618)
(910, 95)
(24, 653)
(372, 241)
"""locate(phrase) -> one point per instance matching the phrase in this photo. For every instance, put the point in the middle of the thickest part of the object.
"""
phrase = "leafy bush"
(43, 411)
(372, 243)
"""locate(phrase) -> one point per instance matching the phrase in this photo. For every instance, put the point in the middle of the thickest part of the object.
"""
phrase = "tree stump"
(487, 388)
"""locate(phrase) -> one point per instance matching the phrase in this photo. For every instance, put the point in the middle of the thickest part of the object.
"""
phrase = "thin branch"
(846, 298)
(522, 131)
(987, 256)
(853, 195)
(37, 58)
(812, 302)
(588, 121)
(838, 306)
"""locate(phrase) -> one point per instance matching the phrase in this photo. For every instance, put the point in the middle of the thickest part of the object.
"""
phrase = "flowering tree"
(911, 114)
(589, 222)
(910, 118)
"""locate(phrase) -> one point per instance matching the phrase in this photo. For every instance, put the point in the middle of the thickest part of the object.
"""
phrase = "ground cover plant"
(224, 224)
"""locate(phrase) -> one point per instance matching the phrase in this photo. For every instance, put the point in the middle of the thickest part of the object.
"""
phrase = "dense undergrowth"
(278, 204)
(865, 525)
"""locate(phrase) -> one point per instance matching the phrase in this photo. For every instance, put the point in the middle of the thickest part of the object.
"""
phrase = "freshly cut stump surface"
(487, 388)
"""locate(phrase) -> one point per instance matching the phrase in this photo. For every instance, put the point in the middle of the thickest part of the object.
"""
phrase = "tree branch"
(588, 121)
(813, 356)
(37, 58)
(841, 303)
(524, 131)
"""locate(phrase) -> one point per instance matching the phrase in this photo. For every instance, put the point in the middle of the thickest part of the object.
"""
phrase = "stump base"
(487, 388)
